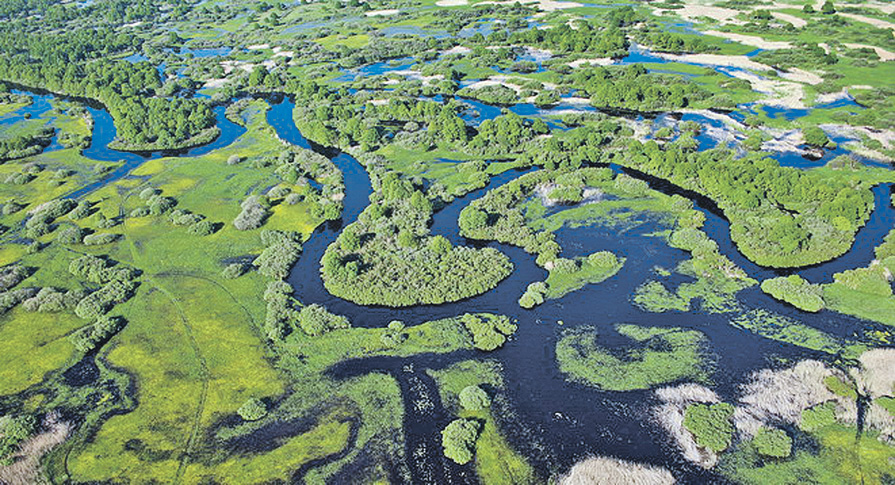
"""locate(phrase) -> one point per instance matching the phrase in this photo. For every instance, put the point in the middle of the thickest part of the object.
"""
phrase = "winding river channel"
(545, 417)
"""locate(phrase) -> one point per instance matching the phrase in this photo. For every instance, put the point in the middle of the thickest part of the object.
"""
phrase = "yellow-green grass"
(319, 353)
(6, 108)
(326, 439)
(352, 41)
(495, 460)
(192, 341)
(34, 344)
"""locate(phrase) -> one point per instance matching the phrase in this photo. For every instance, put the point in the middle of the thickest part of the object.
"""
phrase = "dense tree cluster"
(489, 332)
(458, 440)
(388, 258)
(710, 424)
(587, 38)
(281, 251)
(92, 336)
(780, 216)
(500, 214)
(76, 64)
(677, 43)
(25, 145)
(633, 88)
(805, 56)
(796, 291)
(282, 317)
(13, 431)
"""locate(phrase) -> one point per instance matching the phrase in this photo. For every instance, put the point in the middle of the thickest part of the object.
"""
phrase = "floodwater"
(551, 421)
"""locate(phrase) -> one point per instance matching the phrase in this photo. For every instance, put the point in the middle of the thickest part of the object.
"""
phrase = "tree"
(816, 137)
(774, 443)
(828, 8)
(253, 410)
(710, 425)
(458, 440)
(473, 398)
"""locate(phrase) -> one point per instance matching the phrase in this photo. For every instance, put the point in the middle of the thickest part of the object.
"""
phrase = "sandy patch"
(784, 141)
(416, 75)
(230, 66)
(506, 81)
(451, 3)
(133, 24)
(886, 137)
(715, 60)
(778, 93)
(831, 97)
(795, 21)
(576, 100)
(600, 61)
(882, 24)
(694, 12)
(883, 54)
(714, 115)
(543, 5)
(457, 50)
(382, 13)
(258, 47)
(379, 102)
(600, 470)
(215, 83)
(801, 76)
(750, 40)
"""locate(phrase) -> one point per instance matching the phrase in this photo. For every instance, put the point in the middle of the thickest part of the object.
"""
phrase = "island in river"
(450, 241)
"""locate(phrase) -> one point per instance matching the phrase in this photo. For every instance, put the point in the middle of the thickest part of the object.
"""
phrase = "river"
(548, 419)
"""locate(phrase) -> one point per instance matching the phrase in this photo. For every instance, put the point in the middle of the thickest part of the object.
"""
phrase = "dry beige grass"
(611, 471)
(781, 395)
(26, 469)
(670, 415)
(877, 373)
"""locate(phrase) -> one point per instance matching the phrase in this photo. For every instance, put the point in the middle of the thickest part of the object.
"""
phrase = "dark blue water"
(104, 132)
(552, 421)
(376, 69)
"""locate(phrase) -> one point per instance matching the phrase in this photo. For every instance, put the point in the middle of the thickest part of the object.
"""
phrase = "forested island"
(447, 241)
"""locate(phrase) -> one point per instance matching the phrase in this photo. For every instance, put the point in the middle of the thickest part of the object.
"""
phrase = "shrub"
(11, 208)
(534, 295)
(13, 431)
(488, 331)
(710, 425)
(99, 239)
(814, 136)
(11, 275)
(49, 300)
(88, 338)
(316, 320)
(253, 410)
(254, 212)
(69, 235)
(774, 443)
(458, 440)
(473, 398)
(202, 228)
(276, 260)
(233, 271)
